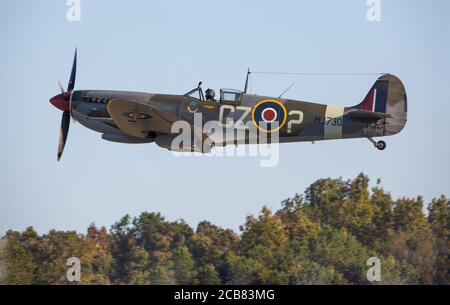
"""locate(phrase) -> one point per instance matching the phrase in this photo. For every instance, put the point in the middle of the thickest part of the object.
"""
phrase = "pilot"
(210, 94)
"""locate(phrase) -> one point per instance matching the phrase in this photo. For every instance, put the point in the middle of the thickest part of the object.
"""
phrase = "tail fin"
(387, 95)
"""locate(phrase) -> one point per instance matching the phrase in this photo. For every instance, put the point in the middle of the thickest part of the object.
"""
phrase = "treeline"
(324, 236)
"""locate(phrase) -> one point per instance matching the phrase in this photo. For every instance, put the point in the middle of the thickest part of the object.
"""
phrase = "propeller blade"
(65, 121)
(61, 87)
(71, 84)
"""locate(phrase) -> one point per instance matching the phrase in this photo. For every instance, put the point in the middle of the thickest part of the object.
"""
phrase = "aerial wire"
(318, 74)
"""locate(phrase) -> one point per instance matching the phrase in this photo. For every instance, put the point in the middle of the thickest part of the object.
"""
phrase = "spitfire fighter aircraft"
(132, 117)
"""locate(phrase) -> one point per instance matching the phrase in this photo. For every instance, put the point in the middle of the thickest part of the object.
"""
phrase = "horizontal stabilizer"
(366, 114)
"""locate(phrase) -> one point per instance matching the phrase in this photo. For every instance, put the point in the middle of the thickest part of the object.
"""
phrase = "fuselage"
(199, 122)
(302, 121)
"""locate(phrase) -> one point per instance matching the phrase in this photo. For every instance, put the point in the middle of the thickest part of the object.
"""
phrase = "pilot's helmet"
(210, 94)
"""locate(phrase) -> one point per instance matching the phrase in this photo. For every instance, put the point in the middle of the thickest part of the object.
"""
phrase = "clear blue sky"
(167, 47)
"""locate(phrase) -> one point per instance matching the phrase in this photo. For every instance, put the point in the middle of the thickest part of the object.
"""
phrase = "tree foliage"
(324, 236)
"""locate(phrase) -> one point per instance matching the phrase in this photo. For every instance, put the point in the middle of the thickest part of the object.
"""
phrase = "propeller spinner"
(62, 102)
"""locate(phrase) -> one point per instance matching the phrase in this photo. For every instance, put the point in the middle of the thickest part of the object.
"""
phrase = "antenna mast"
(246, 80)
(286, 90)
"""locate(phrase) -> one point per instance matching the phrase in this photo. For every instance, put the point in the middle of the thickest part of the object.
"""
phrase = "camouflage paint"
(94, 109)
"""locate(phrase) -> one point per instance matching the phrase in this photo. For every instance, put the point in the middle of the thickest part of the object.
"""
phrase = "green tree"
(439, 219)
(412, 242)
(343, 204)
(121, 247)
(264, 239)
(322, 237)
(339, 249)
(311, 273)
(18, 260)
(97, 258)
(207, 275)
(211, 245)
(183, 265)
(382, 219)
(323, 200)
(138, 267)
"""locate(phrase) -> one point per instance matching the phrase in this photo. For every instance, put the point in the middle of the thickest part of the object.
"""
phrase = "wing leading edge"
(139, 120)
(145, 121)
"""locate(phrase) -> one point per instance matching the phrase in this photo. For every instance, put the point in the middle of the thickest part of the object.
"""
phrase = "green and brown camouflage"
(133, 117)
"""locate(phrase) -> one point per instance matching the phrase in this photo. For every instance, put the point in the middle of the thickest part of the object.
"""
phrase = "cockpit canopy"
(196, 93)
(230, 95)
(226, 95)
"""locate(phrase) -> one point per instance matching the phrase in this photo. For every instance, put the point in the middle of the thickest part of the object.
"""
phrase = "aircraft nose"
(60, 102)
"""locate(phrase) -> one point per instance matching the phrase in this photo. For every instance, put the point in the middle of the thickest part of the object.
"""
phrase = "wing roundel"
(139, 120)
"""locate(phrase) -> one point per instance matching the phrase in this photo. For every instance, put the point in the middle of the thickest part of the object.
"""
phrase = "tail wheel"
(380, 145)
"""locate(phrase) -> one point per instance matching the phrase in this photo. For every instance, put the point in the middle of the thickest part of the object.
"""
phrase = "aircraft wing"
(365, 114)
(138, 120)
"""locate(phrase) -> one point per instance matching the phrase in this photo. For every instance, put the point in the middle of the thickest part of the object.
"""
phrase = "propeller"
(62, 102)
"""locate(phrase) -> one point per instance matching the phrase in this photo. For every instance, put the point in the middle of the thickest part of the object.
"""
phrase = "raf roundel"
(192, 107)
(269, 115)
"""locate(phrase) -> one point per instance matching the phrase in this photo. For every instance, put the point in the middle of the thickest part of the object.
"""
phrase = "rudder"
(387, 95)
